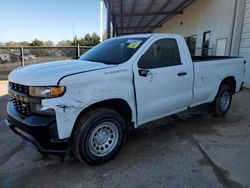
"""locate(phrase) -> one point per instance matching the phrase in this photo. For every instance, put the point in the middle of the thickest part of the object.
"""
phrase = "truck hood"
(50, 73)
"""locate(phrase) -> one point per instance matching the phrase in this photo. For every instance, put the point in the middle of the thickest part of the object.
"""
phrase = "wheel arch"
(119, 105)
(230, 80)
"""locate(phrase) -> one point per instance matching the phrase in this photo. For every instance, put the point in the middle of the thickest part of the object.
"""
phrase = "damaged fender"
(66, 111)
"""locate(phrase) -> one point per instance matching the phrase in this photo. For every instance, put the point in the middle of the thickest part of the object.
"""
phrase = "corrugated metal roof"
(143, 16)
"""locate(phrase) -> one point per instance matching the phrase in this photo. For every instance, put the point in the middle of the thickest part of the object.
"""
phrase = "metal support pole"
(78, 51)
(101, 20)
(113, 31)
(114, 27)
(108, 17)
(22, 56)
(121, 10)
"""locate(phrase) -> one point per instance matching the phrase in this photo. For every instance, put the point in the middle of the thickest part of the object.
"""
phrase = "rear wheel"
(98, 136)
(223, 100)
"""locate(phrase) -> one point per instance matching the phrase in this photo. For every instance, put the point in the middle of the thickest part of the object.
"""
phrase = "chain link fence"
(13, 57)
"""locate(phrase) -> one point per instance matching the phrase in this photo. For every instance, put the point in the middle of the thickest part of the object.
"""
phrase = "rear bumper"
(40, 131)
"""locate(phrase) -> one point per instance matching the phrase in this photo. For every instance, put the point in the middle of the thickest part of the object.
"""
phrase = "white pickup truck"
(87, 105)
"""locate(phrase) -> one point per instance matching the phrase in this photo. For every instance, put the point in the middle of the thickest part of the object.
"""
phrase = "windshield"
(114, 51)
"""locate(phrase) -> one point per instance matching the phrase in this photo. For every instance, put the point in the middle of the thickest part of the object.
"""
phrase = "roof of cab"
(148, 35)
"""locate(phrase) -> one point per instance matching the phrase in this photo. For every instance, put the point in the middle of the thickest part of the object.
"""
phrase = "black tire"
(223, 100)
(88, 134)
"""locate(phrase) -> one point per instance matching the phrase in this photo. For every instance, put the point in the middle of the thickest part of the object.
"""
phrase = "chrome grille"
(22, 107)
(19, 87)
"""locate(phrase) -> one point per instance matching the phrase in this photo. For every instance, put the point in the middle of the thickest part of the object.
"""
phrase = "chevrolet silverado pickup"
(87, 105)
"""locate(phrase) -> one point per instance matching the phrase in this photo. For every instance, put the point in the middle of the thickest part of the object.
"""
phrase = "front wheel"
(222, 101)
(98, 136)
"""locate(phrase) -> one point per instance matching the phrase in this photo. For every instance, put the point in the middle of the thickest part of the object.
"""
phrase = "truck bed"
(210, 58)
(209, 75)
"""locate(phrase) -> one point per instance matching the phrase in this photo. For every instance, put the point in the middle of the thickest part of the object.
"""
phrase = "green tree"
(91, 40)
(88, 40)
(37, 42)
(104, 35)
(64, 43)
(12, 43)
(49, 43)
(75, 41)
(24, 43)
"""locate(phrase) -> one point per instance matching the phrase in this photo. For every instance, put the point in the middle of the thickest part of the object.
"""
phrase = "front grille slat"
(18, 87)
(20, 106)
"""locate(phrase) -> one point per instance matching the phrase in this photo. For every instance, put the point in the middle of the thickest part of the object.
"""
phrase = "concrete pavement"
(229, 150)
(3, 98)
(191, 149)
(3, 88)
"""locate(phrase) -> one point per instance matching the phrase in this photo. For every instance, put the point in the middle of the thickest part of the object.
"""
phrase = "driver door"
(161, 81)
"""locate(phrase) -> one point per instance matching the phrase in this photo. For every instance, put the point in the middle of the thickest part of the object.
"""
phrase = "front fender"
(84, 90)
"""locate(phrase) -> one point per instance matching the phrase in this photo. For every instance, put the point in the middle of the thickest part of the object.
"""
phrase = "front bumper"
(39, 130)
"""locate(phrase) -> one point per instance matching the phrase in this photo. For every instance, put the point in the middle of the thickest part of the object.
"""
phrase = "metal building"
(210, 27)
(245, 39)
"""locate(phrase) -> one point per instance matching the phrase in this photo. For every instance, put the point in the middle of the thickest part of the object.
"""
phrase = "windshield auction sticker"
(133, 43)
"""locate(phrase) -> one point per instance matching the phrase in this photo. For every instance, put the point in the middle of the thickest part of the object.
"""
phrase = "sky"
(25, 20)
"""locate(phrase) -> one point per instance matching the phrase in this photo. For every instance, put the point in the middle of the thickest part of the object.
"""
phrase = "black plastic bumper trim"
(37, 131)
(33, 141)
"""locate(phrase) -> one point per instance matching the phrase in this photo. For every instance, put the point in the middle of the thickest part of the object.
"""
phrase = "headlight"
(47, 92)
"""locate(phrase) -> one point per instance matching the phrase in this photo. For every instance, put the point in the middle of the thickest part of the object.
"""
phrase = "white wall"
(245, 39)
(216, 16)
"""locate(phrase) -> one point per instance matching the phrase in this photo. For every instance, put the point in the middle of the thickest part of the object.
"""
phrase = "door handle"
(143, 72)
(182, 74)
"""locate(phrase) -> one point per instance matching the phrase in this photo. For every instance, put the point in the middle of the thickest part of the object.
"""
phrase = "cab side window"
(163, 53)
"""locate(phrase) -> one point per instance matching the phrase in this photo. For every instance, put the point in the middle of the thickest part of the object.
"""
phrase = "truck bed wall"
(211, 58)
(209, 75)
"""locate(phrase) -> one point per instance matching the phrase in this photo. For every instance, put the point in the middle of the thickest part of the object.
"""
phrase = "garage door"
(245, 40)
